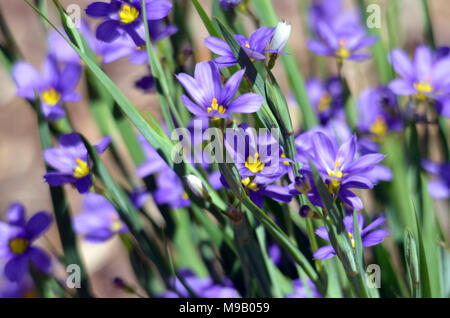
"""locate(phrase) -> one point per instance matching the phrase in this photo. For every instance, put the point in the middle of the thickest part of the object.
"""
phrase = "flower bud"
(196, 186)
(280, 36)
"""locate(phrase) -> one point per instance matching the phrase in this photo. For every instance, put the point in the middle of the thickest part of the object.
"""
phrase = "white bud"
(280, 36)
(196, 186)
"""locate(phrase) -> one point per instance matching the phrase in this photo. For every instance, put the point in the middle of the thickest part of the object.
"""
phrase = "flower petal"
(27, 79)
(325, 252)
(231, 86)
(40, 259)
(108, 31)
(16, 268)
(37, 225)
(322, 233)
(246, 103)
(16, 214)
(374, 238)
(402, 64)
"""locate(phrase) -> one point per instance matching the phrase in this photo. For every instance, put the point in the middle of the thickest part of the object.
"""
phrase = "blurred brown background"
(21, 164)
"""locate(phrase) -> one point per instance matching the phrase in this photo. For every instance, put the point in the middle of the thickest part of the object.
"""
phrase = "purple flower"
(63, 52)
(378, 112)
(256, 155)
(72, 161)
(54, 88)
(325, 97)
(170, 190)
(21, 289)
(202, 287)
(304, 184)
(122, 16)
(99, 220)
(210, 99)
(440, 187)
(135, 48)
(16, 242)
(368, 237)
(339, 167)
(154, 162)
(253, 46)
(426, 77)
(301, 292)
(341, 44)
(229, 4)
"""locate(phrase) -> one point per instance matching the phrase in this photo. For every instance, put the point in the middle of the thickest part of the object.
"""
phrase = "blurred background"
(21, 163)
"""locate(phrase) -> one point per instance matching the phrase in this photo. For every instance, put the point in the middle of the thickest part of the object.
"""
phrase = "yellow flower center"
(51, 97)
(423, 88)
(128, 14)
(335, 183)
(215, 106)
(116, 224)
(379, 127)
(141, 47)
(185, 196)
(18, 245)
(342, 53)
(350, 235)
(81, 170)
(254, 164)
(324, 103)
(249, 184)
(286, 163)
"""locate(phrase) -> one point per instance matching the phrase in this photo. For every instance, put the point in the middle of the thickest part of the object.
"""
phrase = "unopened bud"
(280, 36)
(196, 186)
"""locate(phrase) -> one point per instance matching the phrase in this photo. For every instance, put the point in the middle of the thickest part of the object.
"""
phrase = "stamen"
(18, 245)
(215, 106)
(247, 182)
(254, 164)
(128, 14)
(81, 170)
(51, 97)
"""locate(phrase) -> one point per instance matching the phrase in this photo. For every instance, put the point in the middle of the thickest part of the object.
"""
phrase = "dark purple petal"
(256, 198)
(40, 259)
(100, 9)
(246, 103)
(52, 113)
(325, 252)
(374, 238)
(260, 38)
(37, 225)
(55, 179)
(16, 268)
(108, 31)
(84, 184)
(277, 193)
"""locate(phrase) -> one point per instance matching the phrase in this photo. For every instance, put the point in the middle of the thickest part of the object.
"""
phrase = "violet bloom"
(256, 155)
(72, 161)
(21, 289)
(135, 48)
(229, 4)
(16, 242)
(340, 168)
(301, 292)
(170, 190)
(325, 97)
(54, 87)
(123, 16)
(153, 163)
(253, 46)
(368, 236)
(426, 77)
(63, 52)
(440, 187)
(99, 220)
(210, 99)
(202, 287)
(342, 45)
(378, 112)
